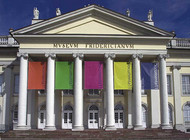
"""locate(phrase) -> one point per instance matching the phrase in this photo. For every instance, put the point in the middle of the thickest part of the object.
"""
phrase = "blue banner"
(149, 75)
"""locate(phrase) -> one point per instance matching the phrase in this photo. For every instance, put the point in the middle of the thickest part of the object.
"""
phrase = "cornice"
(90, 36)
(93, 51)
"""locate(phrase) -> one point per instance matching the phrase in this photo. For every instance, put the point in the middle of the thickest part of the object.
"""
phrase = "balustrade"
(179, 43)
(7, 41)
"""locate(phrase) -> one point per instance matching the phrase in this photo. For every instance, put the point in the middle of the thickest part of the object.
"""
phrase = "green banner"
(64, 75)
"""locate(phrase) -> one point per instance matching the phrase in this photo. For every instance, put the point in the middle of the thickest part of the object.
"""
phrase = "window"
(16, 83)
(118, 92)
(1, 83)
(70, 117)
(41, 117)
(169, 85)
(15, 113)
(186, 84)
(118, 115)
(93, 107)
(65, 117)
(186, 112)
(144, 115)
(68, 107)
(93, 92)
(93, 117)
(67, 92)
(68, 112)
(118, 107)
(170, 113)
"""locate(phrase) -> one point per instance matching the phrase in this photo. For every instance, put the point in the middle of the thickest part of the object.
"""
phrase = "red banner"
(37, 75)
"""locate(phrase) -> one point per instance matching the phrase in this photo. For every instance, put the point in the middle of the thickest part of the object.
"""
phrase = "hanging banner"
(123, 75)
(149, 75)
(93, 73)
(64, 75)
(37, 75)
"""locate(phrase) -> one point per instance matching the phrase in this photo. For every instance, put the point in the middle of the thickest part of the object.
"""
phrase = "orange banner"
(37, 75)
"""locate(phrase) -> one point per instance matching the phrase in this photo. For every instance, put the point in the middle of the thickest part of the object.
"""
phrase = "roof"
(102, 14)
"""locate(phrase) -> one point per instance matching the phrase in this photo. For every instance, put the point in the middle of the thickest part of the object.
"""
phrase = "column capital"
(178, 67)
(24, 55)
(163, 56)
(111, 55)
(139, 56)
(52, 55)
(80, 55)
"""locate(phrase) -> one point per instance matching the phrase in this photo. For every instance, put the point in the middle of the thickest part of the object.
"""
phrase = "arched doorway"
(15, 116)
(119, 116)
(67, 117)
(144, 116)
(42, 117)
(186, 113)
(170, 111)
(93, 117)
(186, 116)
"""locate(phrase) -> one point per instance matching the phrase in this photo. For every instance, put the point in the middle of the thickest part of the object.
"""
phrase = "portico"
(78, 119)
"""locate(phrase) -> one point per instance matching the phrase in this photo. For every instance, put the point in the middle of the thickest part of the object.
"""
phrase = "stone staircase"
(120, 134)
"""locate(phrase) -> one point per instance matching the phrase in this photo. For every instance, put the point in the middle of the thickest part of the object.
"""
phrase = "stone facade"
(94, 34)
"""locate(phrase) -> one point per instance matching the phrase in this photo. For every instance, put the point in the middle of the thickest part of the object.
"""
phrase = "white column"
(29, 108)
(6, 98)
(22, 100)
(31, 120)
(78, 94)
(130, 105)
(137, 105)
(110, 121)
(178, 121)
(163, 92)
(50, 114)
(105, 111)
(154, 108)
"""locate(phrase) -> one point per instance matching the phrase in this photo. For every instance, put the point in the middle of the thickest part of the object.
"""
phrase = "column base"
(180, 127)
(110, 128)
(138, 127)
(49, 128)
(155, 126)
(129, 127)
(166, 126)
(22, 127)
(78, 128)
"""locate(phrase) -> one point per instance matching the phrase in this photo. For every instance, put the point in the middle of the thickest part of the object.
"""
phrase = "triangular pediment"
(90, 25)
(92, 20)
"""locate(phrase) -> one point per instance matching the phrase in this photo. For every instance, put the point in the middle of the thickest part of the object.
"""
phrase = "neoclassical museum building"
(94, 68)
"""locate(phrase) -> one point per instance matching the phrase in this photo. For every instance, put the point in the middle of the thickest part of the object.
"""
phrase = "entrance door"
(119, 116)
(67, 117)
(119, 119)
(41, 119)
(67, 120)
(144, 116)
(93, 117)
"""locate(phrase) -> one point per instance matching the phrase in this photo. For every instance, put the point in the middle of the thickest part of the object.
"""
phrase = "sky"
(169, 15)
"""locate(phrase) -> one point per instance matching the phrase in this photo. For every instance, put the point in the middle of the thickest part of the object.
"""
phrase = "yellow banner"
(122, 75)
